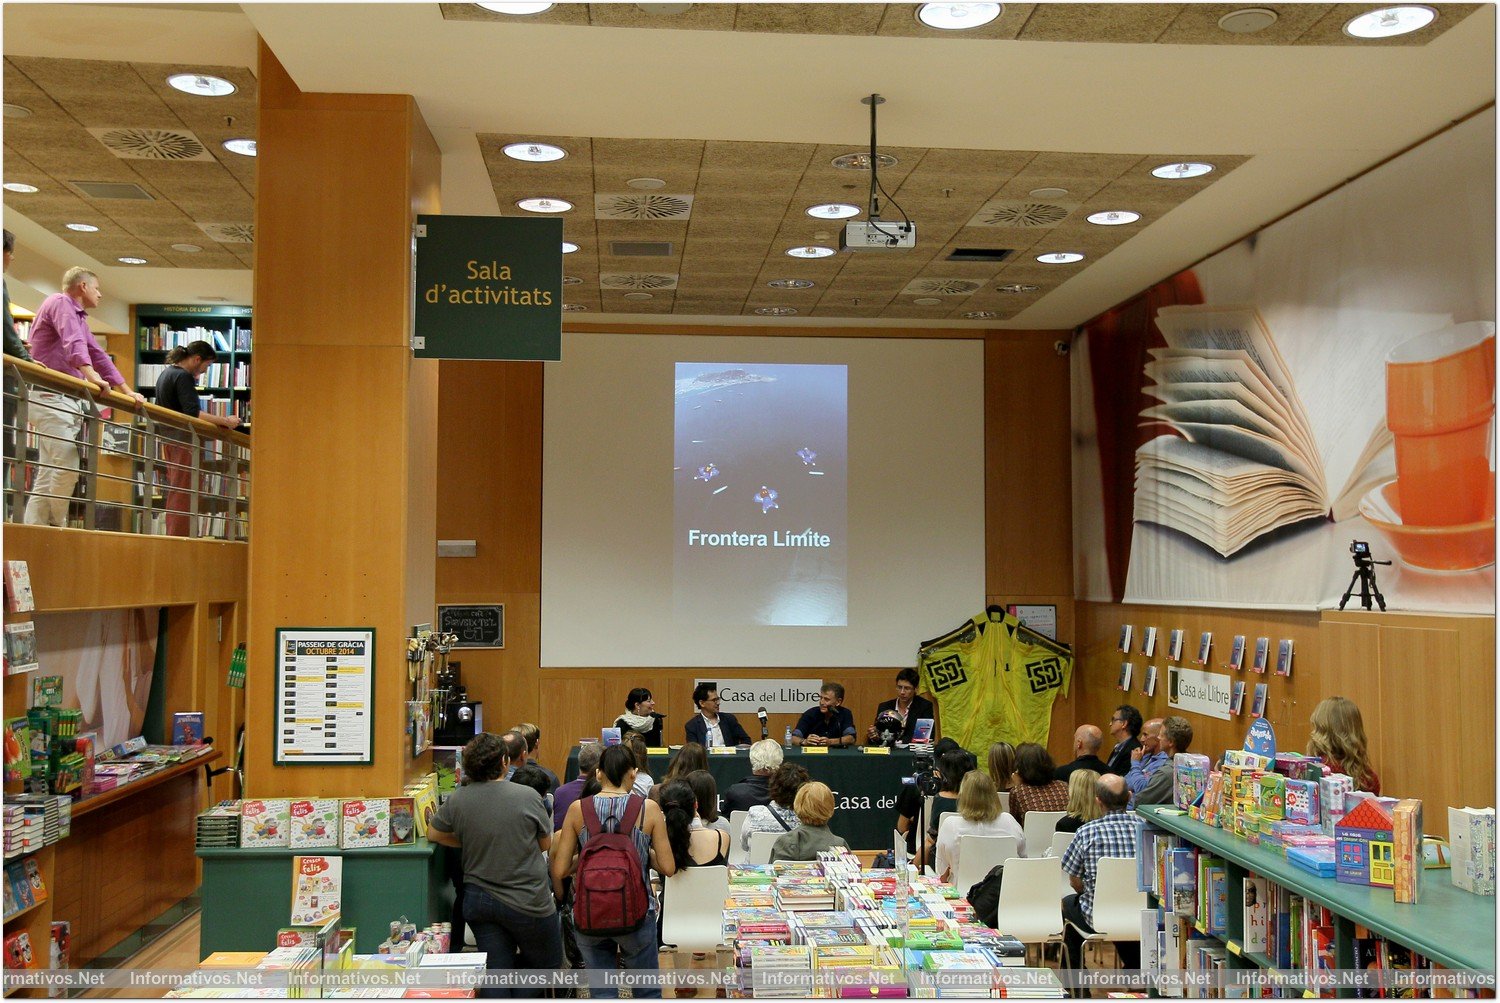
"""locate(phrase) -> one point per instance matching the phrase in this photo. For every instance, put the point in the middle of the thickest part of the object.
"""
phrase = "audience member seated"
(1038, 788)
(693, 844)
(710, 728)
(909, 800)
(1083, 803)
(1146, 760)
(689, 758)
(1338, 738)
(706, 790)
(1125, 729)
(1110, 835)
(1176, 736)
(779, 815)
(636, 746)
(1002, 766)
(765, 757)
(515, 751)
(829, 723)
(905, 710)
(640, 717)
(979, 814)
(814, 807)
(588, 763)
(1086, 742)
(531, 775)
(533, 736)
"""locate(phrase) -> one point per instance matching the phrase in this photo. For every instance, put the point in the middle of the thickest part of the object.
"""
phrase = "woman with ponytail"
(693, 844)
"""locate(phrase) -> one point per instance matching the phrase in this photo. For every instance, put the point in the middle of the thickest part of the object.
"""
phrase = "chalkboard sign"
(476, 626)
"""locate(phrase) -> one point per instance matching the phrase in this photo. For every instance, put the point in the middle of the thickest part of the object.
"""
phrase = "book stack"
(45, 809)
(219, 826)
(795, 893)
(23, 831)
(1028, 983)
(1318, 859)
(956, 974)
(780, 971)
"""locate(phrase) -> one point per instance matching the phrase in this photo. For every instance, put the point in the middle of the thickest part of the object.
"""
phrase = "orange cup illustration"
(1440, 405)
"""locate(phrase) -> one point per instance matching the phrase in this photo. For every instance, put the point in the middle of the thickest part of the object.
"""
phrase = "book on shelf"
(1149, 687)
(314, 823)
(1258, 702)
(1237, 653)
(1205, 645)
(1284, 657)
(1148, 642)
(1174, 645)
(1125, 671)
(1257, 907)
(1126, 632)
(20, 648)
(1262, 652)
(187, 728)
(1245, 458)
(18, 597)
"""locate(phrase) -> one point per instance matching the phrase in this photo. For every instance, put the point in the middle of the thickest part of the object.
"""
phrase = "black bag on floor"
(985, 897)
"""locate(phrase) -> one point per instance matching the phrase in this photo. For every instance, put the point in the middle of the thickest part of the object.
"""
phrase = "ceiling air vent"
(152, 144)
(640, 248)
(230, 233)
(112, 190)
(941, 287)
(642, 205)
(981, 254)
(636, 280)
(1023, 214)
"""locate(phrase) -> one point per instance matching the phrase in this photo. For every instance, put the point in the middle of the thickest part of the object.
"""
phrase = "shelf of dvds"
(1448, 926)
(225, 387)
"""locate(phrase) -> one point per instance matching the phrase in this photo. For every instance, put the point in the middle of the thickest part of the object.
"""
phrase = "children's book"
(313, 823)
(1148, 642)
(17, 736)
(403, 821)
(317, 889)
(1284, 657)
(20, 648)
(18, 598)
(1257, 915)
(265, 823)
(1262, 652)
(366, 823)
(1237, 653)
(46, 691)
(187, 728)
(1183, 869)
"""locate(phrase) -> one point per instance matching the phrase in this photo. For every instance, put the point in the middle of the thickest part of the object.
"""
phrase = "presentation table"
(866, 785)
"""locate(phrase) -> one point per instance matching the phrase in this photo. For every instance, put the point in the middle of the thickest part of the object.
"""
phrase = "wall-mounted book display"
(1174, 645)
(1126, 632)
(1262, 652)
(1150, 686)
(325, 695)
(1237, 653)
(1284, 657)
(1148, 642)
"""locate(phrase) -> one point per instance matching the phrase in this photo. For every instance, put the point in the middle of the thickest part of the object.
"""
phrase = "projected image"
(760, 488)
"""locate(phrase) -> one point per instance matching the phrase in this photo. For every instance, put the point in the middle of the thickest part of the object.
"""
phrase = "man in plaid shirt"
(1113, 835)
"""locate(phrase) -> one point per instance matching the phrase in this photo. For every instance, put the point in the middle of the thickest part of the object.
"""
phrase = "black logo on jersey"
(1045, 674)
(946, 673)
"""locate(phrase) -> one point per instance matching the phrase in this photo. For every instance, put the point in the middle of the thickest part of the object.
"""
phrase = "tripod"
(1364, 574)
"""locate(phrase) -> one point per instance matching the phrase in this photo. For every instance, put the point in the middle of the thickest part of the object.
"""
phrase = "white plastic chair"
(943, 817)
(1117, 902)
(1030, 909)
(736, 830)
(1005, 802)
(693, 908)
(1060, 841)
(760, 848)
(1038, 828)
(977, 855)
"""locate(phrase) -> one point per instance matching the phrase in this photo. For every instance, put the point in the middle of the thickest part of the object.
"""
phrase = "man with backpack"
(609, 843)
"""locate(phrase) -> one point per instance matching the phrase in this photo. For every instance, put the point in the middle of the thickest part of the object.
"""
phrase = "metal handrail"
(79, 457)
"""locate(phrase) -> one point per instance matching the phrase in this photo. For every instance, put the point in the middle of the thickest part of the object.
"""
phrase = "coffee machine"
(459, 718)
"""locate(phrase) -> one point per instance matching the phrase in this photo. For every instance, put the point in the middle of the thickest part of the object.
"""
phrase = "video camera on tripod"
(923, 777)
(1364, 577)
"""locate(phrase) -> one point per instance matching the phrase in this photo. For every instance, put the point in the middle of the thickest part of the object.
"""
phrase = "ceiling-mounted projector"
(872, 236)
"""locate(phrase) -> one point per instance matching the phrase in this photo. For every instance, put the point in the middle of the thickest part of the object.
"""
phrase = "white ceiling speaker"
(1248, 20)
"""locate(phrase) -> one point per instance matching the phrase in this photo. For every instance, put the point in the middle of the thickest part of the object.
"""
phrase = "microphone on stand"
(764, 731)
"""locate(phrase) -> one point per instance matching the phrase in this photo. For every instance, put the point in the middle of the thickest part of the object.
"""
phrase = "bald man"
(1145, 761)
(1086, 742)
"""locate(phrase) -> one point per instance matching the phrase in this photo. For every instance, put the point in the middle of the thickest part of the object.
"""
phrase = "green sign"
(488, 287)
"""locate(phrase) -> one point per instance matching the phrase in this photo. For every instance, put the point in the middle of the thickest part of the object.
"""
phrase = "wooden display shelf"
(90, 804)
(36, 919)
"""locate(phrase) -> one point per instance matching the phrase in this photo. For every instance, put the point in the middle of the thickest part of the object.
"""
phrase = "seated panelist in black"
(895, 719)
(829, 723)
(640, 716)
(708, 727)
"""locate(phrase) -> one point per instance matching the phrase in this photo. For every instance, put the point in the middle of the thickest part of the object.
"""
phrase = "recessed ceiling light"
(1248, 20)
(1389, 22)
(981, 315)
(791, 283)
(957, 16)
(569, 247)
(17, 111)
(1017, 287)
(811, 251)
(638, 296)
(775, 311)
(1183, 169)
(82, 227)
(131, 261)
(545, 205)
(516, 9)
(1114, 217)
(537, 153)
(201, 84)
(1048, 193)
(572, 280)
(244, 147)
(17, 186)
(187, 248)
(647, 184)
(1059, 257)
(833, 210)
(861, 161)
(928, 301)
(573, 307)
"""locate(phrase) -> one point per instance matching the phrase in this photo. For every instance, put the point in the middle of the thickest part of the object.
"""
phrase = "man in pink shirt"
(61, 340)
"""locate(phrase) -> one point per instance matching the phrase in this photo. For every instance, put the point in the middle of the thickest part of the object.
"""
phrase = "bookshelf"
(36, 920)
(1447, 925)
(225, 387)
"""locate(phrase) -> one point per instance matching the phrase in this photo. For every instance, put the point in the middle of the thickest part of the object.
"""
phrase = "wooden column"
(342, 496)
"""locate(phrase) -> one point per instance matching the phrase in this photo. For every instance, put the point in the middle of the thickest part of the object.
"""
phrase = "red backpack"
(609, 890)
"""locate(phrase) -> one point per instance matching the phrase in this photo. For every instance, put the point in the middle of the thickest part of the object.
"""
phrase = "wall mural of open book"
(1331, 378)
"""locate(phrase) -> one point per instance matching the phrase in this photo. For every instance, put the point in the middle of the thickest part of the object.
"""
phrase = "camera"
(923, 779)
(1359, 547)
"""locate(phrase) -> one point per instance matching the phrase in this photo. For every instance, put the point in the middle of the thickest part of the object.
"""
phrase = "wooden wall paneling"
(1407, 717)
(1349, 649)
(1472, 688)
